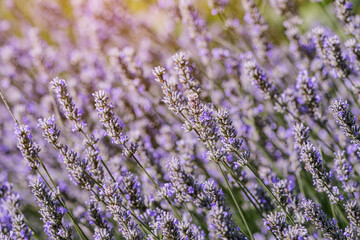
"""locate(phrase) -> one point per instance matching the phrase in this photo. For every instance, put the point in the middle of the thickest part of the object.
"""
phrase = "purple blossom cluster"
(182, 120)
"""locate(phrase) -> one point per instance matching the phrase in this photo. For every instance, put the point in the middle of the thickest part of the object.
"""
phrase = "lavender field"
(179, 119)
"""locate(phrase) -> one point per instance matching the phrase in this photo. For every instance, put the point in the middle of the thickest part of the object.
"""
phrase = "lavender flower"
(172, 96)
(185, 72)
(330, 51)
(264, 199)
(277, 223)
(257, 77)
(282, 230)
(346, 120)
(113, 126)
(50, 131)
(228, 136)
(66, 102)
(352, 209)
(283, 191)
(190, 231)
(301, 48)
(315, 214)
(217, 6)
(322, 179)
(343, 170)
(301, 135)
(102, 229)
(219, 216)
(258, 28)
(168, 226)
(51, 211)
(222, 225)
(94, 160)
(186, 188)
(354, 48)
(76, 167)
(127, 227)
(344, 10)
(131, 187)
(204, 123)
(320, 38)
(227, 131)
(308, 96)
(11, 202)
(335, 59)
(27, 146)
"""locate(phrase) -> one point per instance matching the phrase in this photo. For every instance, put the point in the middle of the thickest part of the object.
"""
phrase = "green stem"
(301, 184)
(236, 203)
(246, 191)
(270, 193)
(155, 184)
(248, 194)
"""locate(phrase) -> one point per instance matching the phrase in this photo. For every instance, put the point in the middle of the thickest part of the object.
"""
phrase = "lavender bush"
(187, 120)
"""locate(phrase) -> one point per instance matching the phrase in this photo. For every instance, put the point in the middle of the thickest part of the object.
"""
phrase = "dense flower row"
(179, 121)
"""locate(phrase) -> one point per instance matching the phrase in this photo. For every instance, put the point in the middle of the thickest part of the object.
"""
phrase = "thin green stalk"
(8, 107)
(270, 192)
(155, 184)
(102, 161)
(247, 193)
(351, 92)
(301, 184)
(235, 201)
(191, 214)
(32, 229)
(332, 211)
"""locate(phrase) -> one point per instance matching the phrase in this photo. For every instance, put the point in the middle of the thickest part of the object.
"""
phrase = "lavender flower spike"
(352, 209)
(168, 225)
(277, 224)
(102, 229)
(113, 125)
(51, 211)
(308, 97)
(259, 78)
(75, 166)
(322, 179)
(185, 72)
(217, 6)
(11, 202)
(127, 227)
(71, 111)
(27, 146)
(173, 97)
(220, 219)
(346, 120)
(315, 214)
